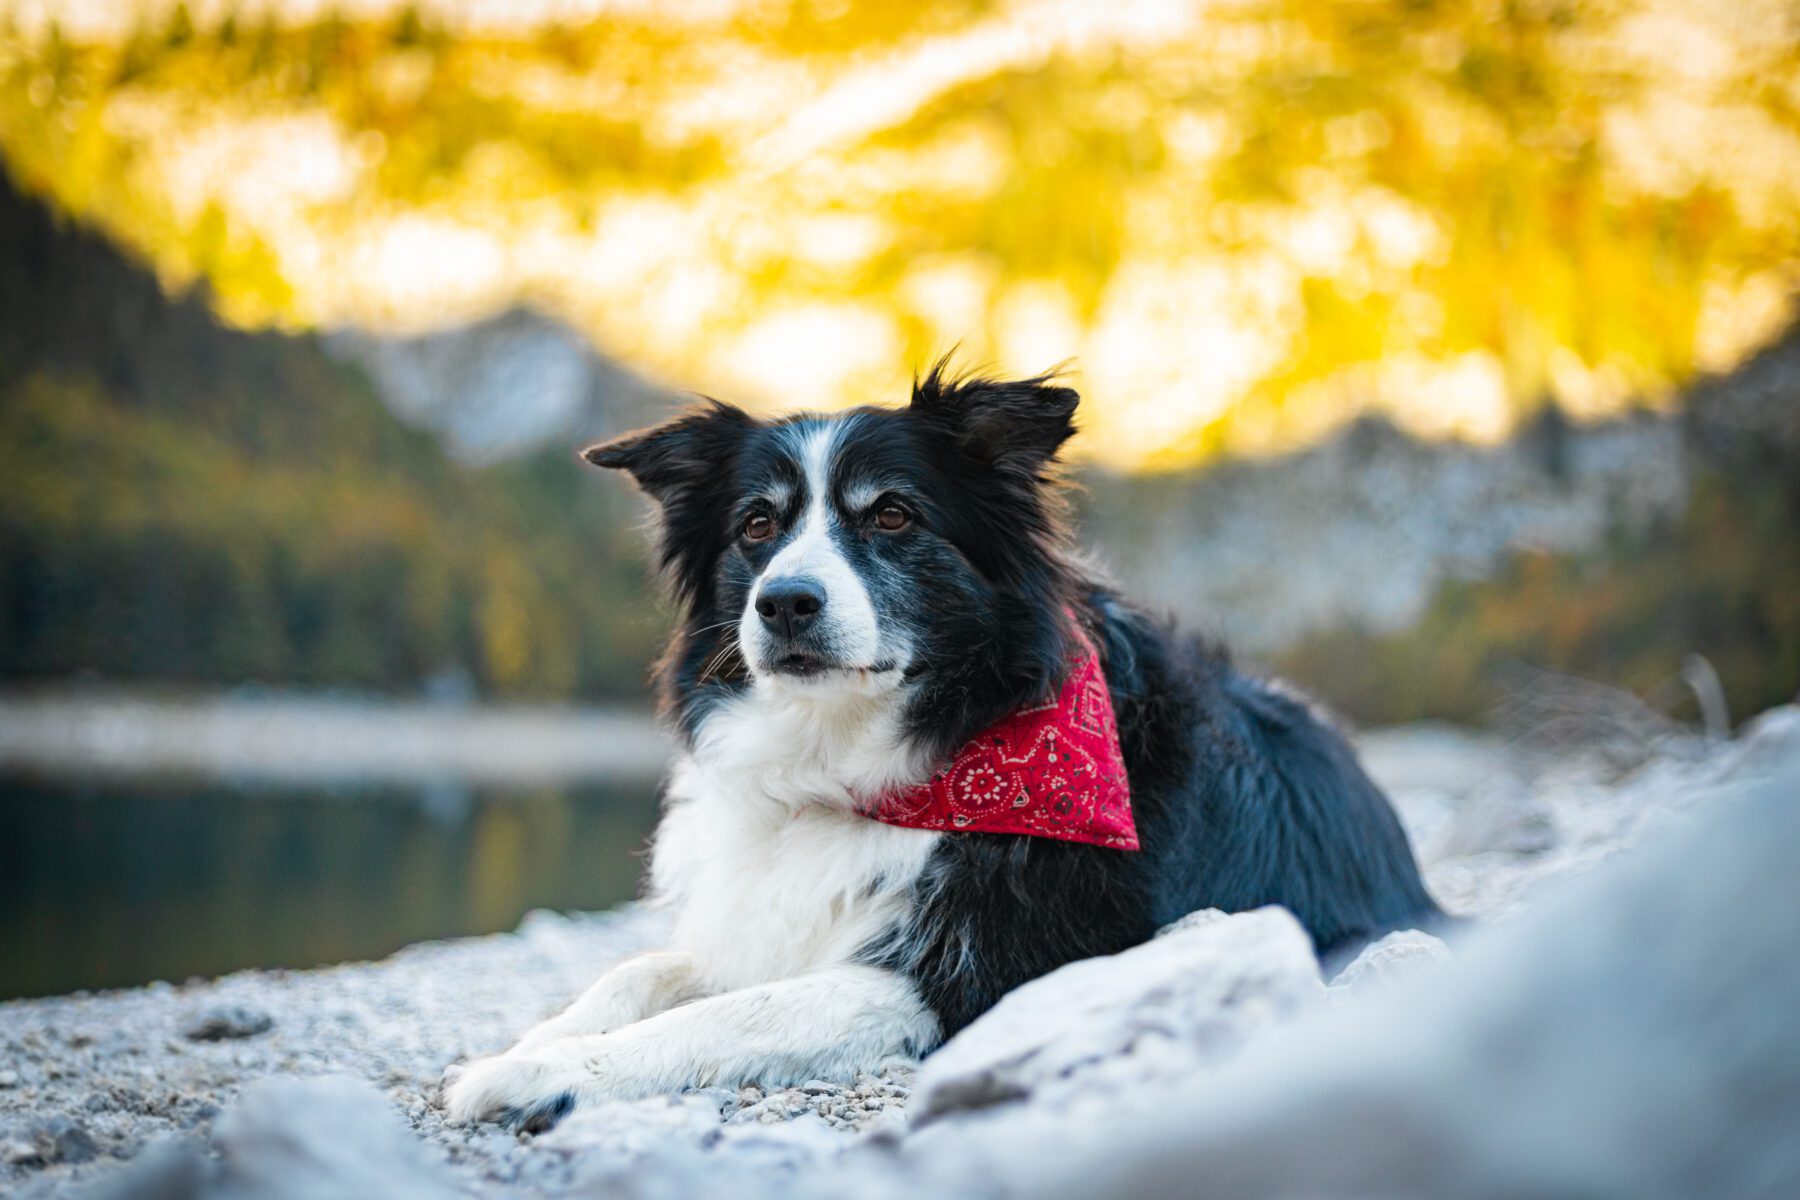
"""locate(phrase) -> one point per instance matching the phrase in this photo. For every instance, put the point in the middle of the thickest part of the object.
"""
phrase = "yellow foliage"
(1245, 222)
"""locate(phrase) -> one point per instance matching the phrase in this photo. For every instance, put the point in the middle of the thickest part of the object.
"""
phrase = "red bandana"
(1053, 771)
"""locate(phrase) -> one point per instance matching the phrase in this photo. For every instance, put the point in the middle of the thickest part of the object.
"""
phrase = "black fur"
(537, 1118)
(1242, 797)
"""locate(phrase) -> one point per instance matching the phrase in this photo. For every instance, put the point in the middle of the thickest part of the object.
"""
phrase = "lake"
(118, 883)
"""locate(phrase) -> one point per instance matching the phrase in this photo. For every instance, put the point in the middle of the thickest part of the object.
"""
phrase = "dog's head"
(878, 549)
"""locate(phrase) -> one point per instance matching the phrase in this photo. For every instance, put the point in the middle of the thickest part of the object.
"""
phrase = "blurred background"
(1431, 350)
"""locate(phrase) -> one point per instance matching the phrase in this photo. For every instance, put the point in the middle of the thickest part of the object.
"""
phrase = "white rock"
(1632, 1036)
(626, 1130)
(1766, 743)
(1168, 1007)
(316, 1139)
(1399, 956)
(1194, 920)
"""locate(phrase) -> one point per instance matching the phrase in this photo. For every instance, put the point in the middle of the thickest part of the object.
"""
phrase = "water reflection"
(111, 886)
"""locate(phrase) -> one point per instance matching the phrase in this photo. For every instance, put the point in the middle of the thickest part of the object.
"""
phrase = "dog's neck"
(818, 743)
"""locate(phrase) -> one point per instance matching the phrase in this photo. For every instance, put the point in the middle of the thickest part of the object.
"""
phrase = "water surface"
(111, 885)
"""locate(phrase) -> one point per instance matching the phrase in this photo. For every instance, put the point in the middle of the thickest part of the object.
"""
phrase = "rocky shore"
(1615, 1022)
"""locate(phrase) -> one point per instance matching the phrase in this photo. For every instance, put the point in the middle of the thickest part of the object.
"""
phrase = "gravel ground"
(88, 1080)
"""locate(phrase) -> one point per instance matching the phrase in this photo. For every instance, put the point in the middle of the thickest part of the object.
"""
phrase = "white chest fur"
(768, 871)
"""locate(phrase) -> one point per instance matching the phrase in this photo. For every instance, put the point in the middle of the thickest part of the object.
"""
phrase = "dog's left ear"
(1015, 425)
(672, 459)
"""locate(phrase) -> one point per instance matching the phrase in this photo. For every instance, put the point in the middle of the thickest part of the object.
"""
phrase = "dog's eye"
(891, 518)
(758, 528)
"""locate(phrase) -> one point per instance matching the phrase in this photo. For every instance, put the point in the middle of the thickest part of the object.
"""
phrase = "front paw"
(515, 1090)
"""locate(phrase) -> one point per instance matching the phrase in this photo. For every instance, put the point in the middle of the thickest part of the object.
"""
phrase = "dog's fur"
(810, 941)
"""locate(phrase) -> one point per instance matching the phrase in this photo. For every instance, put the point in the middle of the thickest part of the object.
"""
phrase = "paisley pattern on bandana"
(1052, 771)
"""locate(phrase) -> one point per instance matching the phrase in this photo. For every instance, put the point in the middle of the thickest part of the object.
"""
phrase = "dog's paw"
(519, 1092)
(540, 1117)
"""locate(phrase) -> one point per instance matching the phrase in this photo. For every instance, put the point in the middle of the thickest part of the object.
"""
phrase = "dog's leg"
(830, 1023)
(630, 991)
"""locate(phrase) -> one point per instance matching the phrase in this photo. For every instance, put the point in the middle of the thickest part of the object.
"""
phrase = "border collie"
(867, 597)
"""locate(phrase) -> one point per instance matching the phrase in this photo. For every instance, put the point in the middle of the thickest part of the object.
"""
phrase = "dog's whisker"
(720, 656)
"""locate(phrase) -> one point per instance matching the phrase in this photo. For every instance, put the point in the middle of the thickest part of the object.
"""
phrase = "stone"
(171, 1169)
(1194, 920)
(1399, 956)
(623, 1131)
(1167, 1008)
(223, 1022)
(1631, 1035)
(61, 1140)
(308, 1139)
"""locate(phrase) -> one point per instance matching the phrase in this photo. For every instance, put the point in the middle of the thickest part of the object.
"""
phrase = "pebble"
(52, 1140)
(62, 1140)
(223, 1021)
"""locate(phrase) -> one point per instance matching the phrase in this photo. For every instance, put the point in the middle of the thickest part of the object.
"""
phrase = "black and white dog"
(863, 594)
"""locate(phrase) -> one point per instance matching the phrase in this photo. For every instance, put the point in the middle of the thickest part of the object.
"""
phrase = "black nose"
(788, 606)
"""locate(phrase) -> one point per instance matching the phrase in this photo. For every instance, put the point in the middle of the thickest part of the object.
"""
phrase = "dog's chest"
(766, 870)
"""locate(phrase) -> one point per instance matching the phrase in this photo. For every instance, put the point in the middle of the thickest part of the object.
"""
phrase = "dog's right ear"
(684, 465)
(679, 455)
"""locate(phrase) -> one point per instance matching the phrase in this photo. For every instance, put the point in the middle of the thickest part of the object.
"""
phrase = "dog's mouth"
(801, 664)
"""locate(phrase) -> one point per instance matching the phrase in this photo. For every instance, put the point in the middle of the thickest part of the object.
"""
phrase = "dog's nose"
(789, 605)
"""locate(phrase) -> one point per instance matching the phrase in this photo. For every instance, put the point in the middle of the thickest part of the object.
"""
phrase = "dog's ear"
(685, 466)
(1015, 425)
(678, 456)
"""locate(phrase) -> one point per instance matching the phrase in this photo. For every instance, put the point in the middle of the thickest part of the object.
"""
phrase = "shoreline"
(212, 1088)
(289, 738)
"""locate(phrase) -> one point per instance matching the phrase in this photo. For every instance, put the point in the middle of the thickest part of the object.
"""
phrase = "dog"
(866, 597)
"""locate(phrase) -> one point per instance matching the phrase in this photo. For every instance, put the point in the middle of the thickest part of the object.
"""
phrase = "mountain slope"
(185, 502)
(192, 503)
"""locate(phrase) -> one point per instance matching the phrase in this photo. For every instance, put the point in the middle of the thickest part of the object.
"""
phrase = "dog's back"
(1277, 810)
(1243, 797)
